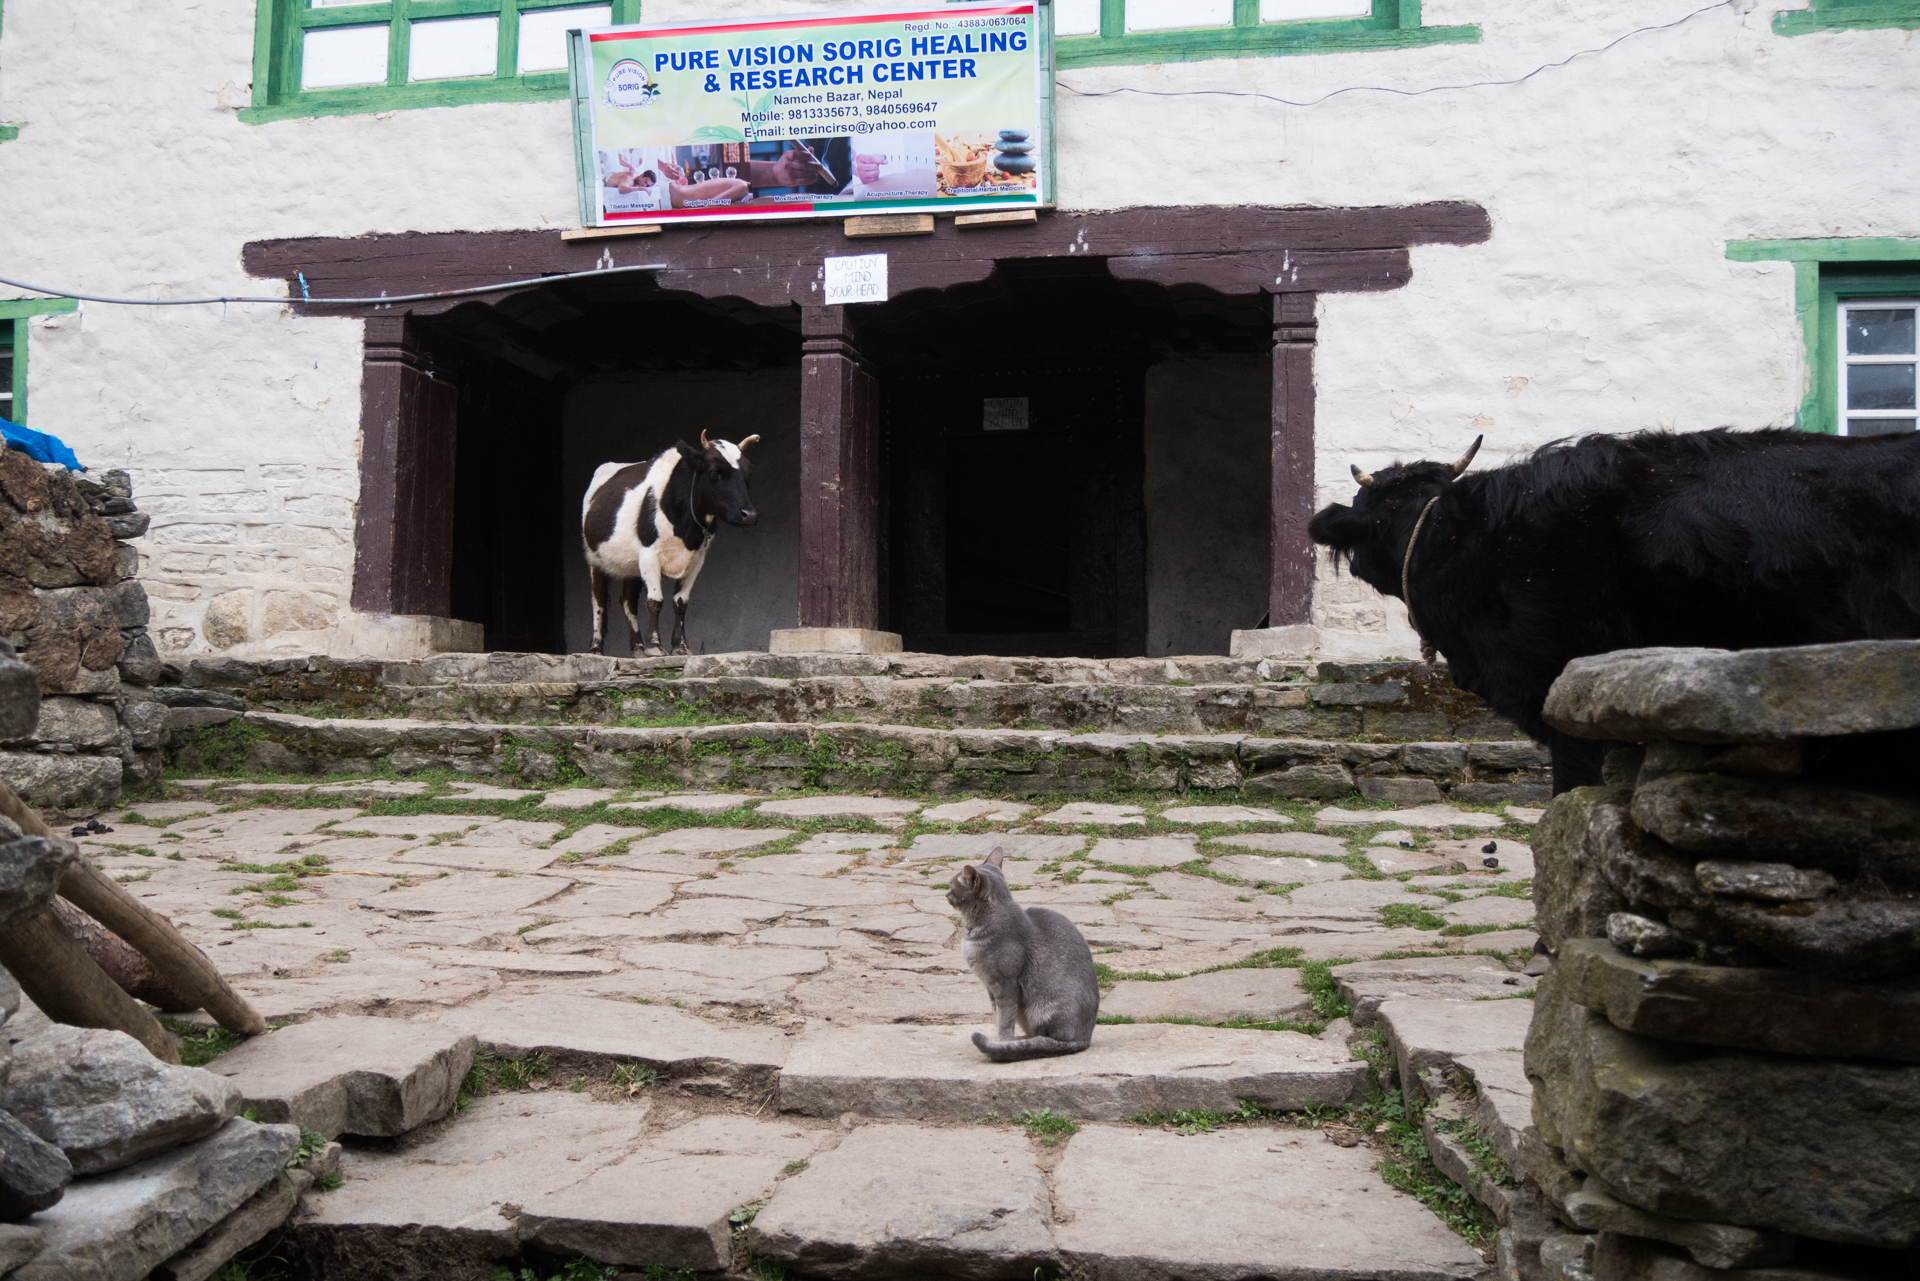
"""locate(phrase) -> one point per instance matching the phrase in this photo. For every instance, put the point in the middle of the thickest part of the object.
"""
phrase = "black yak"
(1728, 539)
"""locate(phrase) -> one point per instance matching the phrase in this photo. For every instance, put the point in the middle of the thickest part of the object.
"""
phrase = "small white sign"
(862, 278)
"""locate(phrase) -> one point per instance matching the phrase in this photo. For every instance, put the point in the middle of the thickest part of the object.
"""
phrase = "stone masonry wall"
(71, 606)
(1726, 1052)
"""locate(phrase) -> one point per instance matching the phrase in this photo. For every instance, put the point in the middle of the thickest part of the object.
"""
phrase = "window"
(13, 350)
(1858, 301)
(1859, 15)
(1096, 33)
(1875, 374)
(329, 57)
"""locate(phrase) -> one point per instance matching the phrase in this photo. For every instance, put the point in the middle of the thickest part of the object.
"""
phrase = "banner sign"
(945, 109)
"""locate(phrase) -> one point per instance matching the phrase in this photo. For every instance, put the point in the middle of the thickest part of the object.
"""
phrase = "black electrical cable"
(307, 298)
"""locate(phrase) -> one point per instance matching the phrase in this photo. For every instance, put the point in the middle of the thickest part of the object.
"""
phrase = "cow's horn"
(1366, 481)
(1460, 467)
(703, 439)
(748, 441)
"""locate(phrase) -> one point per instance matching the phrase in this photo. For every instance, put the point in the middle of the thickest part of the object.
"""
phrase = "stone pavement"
(715, 1001)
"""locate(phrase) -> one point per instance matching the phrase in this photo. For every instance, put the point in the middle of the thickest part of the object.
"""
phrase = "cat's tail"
(1027, 1047)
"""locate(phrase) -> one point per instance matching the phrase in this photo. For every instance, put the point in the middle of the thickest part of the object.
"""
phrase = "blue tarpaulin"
(39, 446)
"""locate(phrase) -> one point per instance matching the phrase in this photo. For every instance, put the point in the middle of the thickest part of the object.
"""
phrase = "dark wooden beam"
(839, 476)
(1295, 330)
(1233, 249)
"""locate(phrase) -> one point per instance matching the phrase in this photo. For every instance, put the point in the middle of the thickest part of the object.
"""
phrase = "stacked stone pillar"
(1725, 1054)
(71, 606)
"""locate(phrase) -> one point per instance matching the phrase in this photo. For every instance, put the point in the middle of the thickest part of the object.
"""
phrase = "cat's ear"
(996, 859)
(967, 877)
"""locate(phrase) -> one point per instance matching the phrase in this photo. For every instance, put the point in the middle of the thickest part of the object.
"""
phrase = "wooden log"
(133, 972)
(58, 975)
(184, 967)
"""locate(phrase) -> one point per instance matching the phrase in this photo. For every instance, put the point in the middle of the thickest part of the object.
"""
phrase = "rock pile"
(1726, 1053)
(71, 606)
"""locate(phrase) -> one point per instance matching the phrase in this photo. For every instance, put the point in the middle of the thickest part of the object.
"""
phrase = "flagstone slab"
(1223, 814)
(1090, 812)
(706, 918)
(691, 802)
(709, 840)
(460, 894)
(1421, 816)
(936, 1073)
(1280, 871)
(1309, 844)
(630, 895)
(580, 798)
(1038, 847)
(839, 842)
(1490, 910)
(805, 807)
(978, 807)
(1213, 998)
(1144, 851)
(476, 858)
(412, 827)
(805, 891)
(913, 1200)
(368, 982)
(795, 864)
(367, 1076)
(556, 1024)
(1515, 856)
(1394, 862)
(1242, 1204)
(844, 997)
(748, 964)
(1426, 1033)
(516, 962)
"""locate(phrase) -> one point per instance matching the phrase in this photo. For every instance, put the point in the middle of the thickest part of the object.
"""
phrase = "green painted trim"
(13, 315)
(1854, 17)
(1806, 308)
(1831, 287)
(9, 132)
(586, 174)
(21, 308)
(544, 87)
(1269, 41)
(1851, 249)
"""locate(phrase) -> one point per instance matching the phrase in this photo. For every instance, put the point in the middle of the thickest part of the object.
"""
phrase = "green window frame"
(1843, 15)
(1394, 24)
(14, 313)
(279, 33)
(1825, 274)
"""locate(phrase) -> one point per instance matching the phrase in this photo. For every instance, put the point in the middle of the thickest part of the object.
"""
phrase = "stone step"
(773, 755)
(927, 1073)
(1394, 701)
(632, 1182)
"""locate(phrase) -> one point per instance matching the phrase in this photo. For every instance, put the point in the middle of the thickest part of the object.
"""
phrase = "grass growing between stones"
(573, 1270)
(1395, 915)
(1048, 1126)
(199, 1045)
(1201, 1121)
(1408, 1166)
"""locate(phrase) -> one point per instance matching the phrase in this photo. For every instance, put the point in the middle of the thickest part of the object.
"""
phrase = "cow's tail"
(1027, 1047)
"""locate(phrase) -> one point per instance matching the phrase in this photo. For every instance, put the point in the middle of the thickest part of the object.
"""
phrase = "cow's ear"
(697, 458)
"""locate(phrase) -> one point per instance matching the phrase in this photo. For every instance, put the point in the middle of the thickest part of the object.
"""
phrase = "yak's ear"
(695, 458)
(996, 859)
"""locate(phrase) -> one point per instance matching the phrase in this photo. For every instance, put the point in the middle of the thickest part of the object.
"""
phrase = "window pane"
(336, 56)
(1880, 331)
(1165, 15)
(543, 34)
(1295, 10)
(1877, 426)
(1880, 387)
(334, 4)
(453, 47)
(1076, 17)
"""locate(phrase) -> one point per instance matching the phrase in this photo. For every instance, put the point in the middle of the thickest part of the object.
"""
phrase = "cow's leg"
(600, 581)
(655, 598)
(630, 606)
(680, 601)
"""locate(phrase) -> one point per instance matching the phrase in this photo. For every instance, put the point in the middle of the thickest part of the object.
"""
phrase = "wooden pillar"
(403, 534)
(839, 476)
(1290, 593)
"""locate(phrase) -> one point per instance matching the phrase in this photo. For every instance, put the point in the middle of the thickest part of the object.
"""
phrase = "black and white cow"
(645, 522)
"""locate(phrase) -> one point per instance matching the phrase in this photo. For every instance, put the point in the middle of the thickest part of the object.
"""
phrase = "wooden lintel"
(1005, 218)
(608, 233)
(890, 225)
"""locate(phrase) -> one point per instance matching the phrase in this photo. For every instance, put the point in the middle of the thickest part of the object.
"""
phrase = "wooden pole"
(69, 987)
(133, 972)
(184, 966)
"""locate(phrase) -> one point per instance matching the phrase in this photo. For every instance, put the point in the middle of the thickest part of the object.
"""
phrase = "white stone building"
(1237, 297)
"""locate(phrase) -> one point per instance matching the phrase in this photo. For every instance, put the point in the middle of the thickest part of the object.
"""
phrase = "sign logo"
(628, 85)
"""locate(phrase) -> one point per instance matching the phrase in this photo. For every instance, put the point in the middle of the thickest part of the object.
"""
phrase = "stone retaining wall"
(1388, 701)
(879, 757)
(1726, 1053)
(72, 608)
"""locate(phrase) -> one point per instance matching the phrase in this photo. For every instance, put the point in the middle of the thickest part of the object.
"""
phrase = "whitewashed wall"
(1603, 302)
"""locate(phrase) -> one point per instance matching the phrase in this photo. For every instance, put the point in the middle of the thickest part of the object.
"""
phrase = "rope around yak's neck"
(1406, 593)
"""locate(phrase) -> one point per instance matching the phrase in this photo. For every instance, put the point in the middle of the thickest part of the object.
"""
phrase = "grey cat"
(1037, 968)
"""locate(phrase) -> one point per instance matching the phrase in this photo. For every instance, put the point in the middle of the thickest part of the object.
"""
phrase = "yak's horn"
(703, 439)
(1460, 467)
(748, 441)
(1366, 481)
